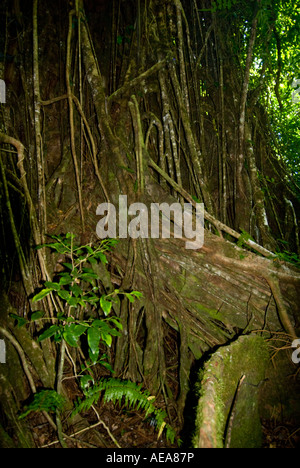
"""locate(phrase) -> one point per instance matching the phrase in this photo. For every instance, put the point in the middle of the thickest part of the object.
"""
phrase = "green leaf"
(102, 258)
(21, 321)
(131, 296)
(65, 279)
(51, 285)
(73, 301)
(116, 322)
(73, 332)
(79, 329)
(92, 261)
(97, 323)
(51, 331)
(93, 356)
(65, 295)
(88, 276)
(37, 315)
(137, 294)
(89, 270)
(85, 381)
(42, 294)
(94, 336)
(114, 332)
(91, 298)
(106, 365)
(76, 290)
(70, 339)
(105, 305)
(60, 248)
(89, 249)
(107, 338)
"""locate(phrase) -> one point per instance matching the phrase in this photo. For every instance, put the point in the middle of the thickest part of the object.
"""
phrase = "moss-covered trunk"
(228, 407)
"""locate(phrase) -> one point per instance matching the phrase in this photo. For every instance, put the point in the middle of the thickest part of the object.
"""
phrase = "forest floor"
(131, 429)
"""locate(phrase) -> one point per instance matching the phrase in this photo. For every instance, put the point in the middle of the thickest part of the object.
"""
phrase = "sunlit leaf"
(105, 305)
(42, 294)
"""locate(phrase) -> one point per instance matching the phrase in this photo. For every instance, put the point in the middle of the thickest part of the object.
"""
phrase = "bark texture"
(160, 112)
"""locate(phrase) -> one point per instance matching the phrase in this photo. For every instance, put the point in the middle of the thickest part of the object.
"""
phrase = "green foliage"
(124, 392)
(287, 256)
(219, 5)
(44, 400)
(274, 71)
(282, 57)
(77, 287)
(243, 239)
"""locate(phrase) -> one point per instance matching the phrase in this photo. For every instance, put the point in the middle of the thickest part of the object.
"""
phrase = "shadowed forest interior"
(138, 341)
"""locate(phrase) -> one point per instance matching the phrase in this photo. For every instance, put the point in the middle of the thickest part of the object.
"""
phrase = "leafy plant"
(44, 400)
(86, 313)
(78, 288)
(127, 392)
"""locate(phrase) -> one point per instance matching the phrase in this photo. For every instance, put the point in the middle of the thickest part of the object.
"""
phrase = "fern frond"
(128, 393)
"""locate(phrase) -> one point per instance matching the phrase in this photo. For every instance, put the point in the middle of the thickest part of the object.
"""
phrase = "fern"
(44, 400)
(129, 393)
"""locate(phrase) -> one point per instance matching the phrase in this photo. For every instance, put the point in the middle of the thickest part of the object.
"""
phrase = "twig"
(106, 427)
(282, 312)
(72, 436)
(23, 359)
(22, 356)
(59, 391)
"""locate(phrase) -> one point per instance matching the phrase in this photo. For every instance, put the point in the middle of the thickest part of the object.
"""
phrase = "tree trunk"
(154, 117)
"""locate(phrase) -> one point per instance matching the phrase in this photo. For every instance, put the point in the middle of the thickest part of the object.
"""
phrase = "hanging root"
(282, 312)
